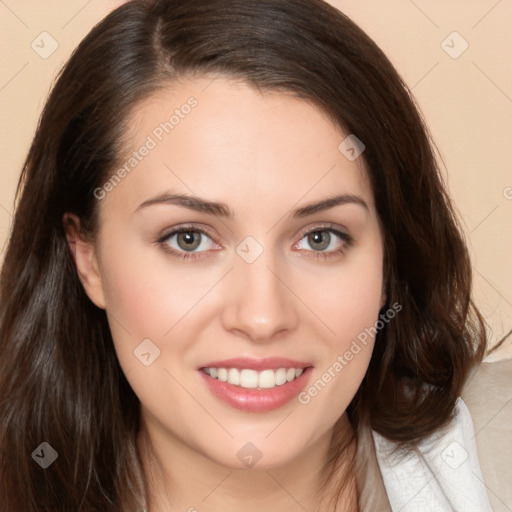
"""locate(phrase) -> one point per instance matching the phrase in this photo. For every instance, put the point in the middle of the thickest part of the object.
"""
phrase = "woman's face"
(265, 273)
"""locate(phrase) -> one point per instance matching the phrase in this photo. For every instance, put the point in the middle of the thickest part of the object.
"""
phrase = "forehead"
(224, 139)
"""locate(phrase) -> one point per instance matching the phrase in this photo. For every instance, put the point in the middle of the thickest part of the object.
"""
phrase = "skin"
(264, 155)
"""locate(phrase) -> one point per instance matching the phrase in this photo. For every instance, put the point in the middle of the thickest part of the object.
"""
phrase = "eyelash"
(345, 237)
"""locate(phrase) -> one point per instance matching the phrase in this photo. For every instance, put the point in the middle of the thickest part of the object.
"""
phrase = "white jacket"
(445, 473)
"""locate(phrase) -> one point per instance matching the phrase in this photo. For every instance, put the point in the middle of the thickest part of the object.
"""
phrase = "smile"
(252, 379)
(256, 384)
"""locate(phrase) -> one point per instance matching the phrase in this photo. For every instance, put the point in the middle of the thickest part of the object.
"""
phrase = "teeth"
(267, 379)
(248, 378)
(234, 376)
(252, 379)
(280, 376)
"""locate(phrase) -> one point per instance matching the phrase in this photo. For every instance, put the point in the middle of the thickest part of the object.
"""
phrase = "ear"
(86, 262)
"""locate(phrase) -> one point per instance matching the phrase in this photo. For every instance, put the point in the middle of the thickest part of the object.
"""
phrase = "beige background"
(467, 102)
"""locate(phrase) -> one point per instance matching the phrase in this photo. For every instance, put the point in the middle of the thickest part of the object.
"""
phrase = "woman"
(245, 277)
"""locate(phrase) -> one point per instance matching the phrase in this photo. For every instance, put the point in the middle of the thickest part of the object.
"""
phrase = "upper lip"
(259, 364)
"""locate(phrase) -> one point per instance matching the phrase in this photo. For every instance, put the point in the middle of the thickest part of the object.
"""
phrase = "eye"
(325, 241)
(186, 241)
(193, 242)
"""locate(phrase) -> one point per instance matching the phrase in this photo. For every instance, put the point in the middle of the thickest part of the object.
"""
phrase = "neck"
(181, 479)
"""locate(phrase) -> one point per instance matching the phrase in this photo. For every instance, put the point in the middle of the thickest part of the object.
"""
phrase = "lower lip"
(256, 400)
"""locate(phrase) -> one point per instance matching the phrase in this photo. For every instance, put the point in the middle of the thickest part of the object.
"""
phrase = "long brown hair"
(60, 381)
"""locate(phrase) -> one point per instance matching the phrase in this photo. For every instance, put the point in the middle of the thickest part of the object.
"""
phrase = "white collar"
(441, 475)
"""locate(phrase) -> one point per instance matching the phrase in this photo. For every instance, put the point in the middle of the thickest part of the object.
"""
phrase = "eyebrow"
(222, 210)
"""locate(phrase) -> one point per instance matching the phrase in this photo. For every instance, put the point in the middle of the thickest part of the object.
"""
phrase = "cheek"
(134, 296)
(348, 303)
(145, 298)
(349, 298)
(145, 293)
(131, 297)
(150, 298)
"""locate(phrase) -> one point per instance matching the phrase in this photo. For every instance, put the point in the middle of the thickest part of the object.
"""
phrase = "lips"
(267, 363)
(256, 385)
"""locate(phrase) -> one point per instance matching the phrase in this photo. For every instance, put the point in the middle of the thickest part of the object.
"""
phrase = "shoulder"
(488, 396)
(464, 466)
(440, 474)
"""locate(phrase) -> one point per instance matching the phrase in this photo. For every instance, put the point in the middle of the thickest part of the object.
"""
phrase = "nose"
(260, 303)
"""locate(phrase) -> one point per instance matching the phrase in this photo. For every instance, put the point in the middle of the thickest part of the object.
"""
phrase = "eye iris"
(189, 240)
(319, 240)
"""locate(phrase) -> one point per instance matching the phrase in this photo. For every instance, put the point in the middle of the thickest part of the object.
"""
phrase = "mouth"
(256, 385)
(252, 379)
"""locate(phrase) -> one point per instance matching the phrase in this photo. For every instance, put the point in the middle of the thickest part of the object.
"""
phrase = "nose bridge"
(260, 305)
